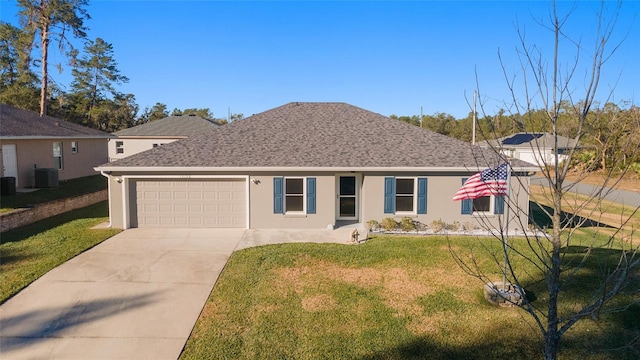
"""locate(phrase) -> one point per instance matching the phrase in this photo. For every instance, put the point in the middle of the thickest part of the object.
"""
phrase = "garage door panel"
(190, 203)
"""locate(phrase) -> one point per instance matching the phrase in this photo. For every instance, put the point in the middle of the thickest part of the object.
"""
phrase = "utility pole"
(473, 137)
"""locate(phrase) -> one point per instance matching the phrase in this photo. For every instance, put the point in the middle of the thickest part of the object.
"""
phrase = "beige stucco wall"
(261, 203)
(440, 206)
(134, 146)
(33, 154)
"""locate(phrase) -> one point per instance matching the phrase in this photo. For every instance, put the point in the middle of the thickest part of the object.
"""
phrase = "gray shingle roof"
(18, 123)
(315, 135)
(186, 125)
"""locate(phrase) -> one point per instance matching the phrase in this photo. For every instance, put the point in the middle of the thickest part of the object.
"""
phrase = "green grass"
(30, 252)
(389, 298)
(67, 188)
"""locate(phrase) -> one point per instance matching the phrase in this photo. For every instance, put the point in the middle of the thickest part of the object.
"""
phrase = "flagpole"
(505, 237)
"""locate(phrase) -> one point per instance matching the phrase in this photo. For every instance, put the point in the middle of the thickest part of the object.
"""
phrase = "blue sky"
(388, 57)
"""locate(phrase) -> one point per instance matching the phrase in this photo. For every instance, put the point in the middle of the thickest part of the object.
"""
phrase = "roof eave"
(238, 169)
(177, 137)
(47, 137)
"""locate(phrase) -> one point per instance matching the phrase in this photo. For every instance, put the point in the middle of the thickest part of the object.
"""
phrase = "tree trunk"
(551, 336)
(44, 34)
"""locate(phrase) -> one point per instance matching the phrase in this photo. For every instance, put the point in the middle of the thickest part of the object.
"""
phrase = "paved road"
(625, 197)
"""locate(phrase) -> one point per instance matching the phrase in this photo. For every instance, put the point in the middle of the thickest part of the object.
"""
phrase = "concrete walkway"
(137, 295)
(258, 237)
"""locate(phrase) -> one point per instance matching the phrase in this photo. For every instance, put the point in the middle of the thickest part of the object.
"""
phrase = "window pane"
(294, 203)
(404, 203)
(348, 206)
(294, 186)
(482, 204)
(348, 185)
(404, 186)
(57, 149)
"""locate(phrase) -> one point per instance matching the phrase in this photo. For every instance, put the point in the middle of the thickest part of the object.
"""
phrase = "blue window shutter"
(278, 197)
(498, 207)
(389, 195)
(422, 195)
(311, 195)
(467, 204)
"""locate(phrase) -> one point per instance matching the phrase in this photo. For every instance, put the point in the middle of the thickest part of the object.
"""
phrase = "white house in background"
(535, 148)
(156, 133)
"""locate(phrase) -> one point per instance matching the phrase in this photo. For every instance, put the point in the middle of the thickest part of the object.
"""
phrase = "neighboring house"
(535, 148)
(305, 165)
(30, 142)
(156, 133)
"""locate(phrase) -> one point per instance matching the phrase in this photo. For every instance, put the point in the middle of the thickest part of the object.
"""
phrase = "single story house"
(536, 148)
(155, 133)
(31, 142)
(306, 165)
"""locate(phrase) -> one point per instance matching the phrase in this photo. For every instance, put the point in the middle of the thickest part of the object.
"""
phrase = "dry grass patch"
(389, 298)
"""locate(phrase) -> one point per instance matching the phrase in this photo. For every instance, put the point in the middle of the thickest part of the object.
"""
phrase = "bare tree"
(566, 92)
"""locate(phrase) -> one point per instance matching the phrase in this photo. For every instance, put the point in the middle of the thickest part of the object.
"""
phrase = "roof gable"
(19, 123)
(315, 135)
(185, 125)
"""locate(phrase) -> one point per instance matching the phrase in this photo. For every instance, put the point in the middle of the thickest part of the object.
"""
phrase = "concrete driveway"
(137, 295)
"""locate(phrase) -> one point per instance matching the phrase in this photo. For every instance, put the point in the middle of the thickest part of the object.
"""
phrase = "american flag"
(485, 183)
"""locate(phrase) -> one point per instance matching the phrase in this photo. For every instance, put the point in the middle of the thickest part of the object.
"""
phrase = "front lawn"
(30, 252)
(389, 298)
(66, 189)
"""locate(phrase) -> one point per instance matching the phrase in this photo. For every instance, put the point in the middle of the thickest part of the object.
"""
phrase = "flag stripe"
(485, 183)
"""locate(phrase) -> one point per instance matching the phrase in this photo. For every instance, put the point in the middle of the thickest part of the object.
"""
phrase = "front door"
(10, 161)
(347, 197)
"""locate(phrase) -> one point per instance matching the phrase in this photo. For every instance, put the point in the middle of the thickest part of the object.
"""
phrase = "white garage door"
(214, 203)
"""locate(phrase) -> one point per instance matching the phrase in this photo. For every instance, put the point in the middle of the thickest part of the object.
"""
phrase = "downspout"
(108, 192)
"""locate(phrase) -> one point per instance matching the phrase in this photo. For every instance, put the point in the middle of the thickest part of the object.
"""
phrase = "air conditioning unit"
(46, 178)
(8, 185)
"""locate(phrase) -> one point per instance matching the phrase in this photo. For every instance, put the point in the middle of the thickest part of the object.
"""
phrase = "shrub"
(406, 224)
(469, 226)
(389, 224)
(453, 227)
(373, 225)
(438, 225)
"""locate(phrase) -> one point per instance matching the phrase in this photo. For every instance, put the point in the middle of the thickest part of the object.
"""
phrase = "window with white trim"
(57, 155)
(483, 205)
(486, 205)
(119, 147)
(74, 147)
(294, 194)
(405, 195)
